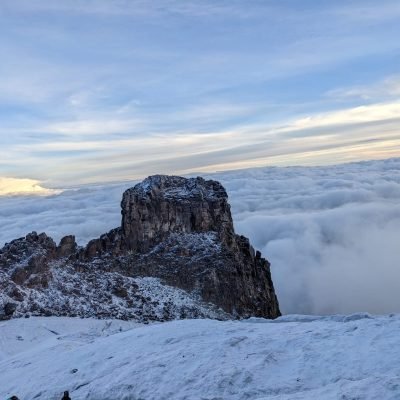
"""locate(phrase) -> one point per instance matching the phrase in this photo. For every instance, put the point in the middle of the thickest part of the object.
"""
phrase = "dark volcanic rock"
(162, 205)
(67, 246)
(7, 311)
(176, 255)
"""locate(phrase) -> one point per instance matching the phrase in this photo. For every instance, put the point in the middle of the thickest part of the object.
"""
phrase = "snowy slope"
(294, 357)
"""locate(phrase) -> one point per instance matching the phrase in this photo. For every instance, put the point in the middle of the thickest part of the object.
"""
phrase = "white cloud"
(125, 147)
(354, 115)
(387, 88)
(16, 186)
(331, 233)
(94, 127)
(85, 212)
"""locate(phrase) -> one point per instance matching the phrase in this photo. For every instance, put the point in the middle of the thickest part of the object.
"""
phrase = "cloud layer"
(331, 233)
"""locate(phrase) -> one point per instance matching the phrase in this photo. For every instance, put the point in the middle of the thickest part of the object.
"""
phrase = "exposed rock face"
(162, 205)
(176, 255)
(67, 246)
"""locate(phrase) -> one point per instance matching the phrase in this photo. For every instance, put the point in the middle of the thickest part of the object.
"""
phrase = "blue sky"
(98, 91)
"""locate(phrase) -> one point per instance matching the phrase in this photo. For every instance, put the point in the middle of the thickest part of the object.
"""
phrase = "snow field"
(293, 357)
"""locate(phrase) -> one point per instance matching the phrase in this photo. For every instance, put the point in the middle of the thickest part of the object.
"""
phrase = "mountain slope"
(290, 358)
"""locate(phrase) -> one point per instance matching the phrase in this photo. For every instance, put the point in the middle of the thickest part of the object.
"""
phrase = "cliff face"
(176, 255)
(162, 205)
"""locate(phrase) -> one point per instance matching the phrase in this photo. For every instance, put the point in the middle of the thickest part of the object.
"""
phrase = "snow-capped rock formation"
(176, 255)
(163, 204)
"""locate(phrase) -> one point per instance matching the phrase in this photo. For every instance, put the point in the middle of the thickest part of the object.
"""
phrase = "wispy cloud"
(112, 149)
(387, 88)
(106, 89)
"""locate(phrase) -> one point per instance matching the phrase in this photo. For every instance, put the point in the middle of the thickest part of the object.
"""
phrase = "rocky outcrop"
(176, 255)
(67, 246)
(162, 205)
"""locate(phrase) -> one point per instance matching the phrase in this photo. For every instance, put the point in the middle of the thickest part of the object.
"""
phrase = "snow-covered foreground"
(294, 357)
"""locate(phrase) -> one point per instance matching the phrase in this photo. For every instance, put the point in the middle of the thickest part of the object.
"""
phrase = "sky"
(111, 90)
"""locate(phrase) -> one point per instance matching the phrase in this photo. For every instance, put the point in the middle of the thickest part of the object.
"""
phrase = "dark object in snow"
(176, 255)
(8, 310)
(66, 396)
(13, 398)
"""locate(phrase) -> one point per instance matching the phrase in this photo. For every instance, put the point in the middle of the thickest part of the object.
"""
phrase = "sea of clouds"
(331, 233)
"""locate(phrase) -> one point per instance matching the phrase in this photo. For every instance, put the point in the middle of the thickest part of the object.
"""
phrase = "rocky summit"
(176, 255)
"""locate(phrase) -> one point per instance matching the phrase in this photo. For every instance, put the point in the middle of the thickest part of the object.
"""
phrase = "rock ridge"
(175, 255)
